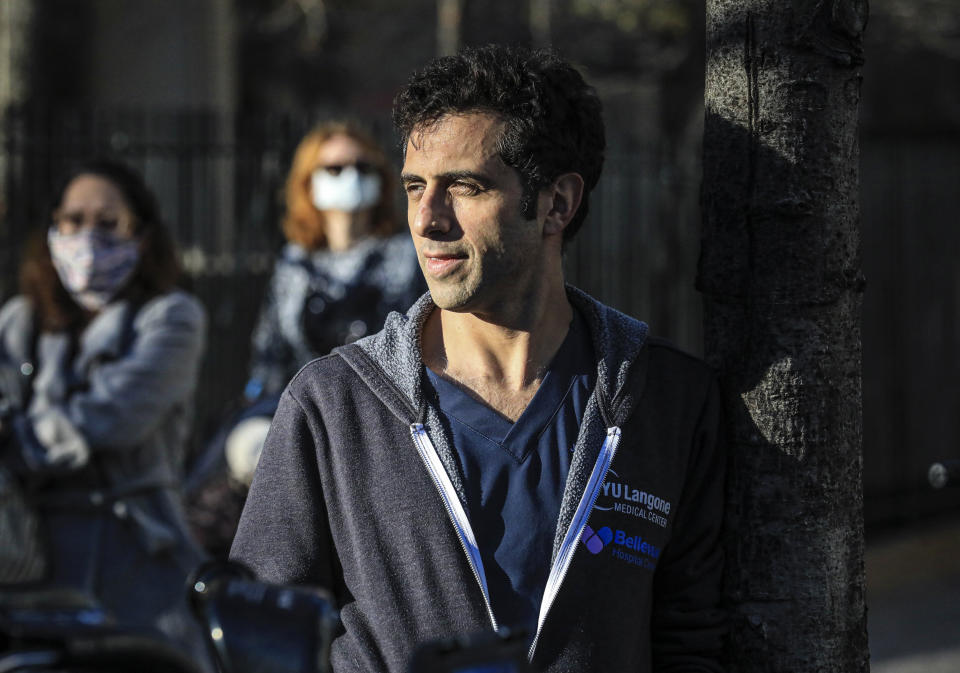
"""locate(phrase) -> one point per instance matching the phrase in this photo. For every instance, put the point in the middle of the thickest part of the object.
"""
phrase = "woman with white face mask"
(99, 357)
(344, 267)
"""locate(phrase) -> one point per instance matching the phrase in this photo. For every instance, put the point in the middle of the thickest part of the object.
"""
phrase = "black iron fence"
(911, 321)
(220, 182)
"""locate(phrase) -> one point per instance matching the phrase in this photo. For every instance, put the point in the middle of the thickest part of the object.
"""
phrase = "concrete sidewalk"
(913, 599)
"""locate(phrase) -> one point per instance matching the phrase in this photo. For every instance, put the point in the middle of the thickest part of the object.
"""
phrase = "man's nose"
(434, 215)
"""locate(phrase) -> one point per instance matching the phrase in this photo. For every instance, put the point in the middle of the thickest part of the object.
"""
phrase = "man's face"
(476, 250)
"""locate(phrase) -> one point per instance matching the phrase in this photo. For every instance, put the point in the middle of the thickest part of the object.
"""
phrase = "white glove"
(63, 444)
(243, 447)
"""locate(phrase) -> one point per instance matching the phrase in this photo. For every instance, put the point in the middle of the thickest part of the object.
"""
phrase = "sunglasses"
(363, 168)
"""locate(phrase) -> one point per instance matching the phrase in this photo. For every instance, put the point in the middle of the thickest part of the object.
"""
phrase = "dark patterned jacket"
(317, 301)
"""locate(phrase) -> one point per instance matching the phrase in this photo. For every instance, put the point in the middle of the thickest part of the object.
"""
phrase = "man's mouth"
(439, 264)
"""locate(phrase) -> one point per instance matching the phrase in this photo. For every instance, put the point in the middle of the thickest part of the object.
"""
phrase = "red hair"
(304, 224)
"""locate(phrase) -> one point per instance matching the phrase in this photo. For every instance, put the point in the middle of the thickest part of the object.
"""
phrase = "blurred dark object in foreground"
(267, 628)
(250, 627)
(502, 652)
(68, 632)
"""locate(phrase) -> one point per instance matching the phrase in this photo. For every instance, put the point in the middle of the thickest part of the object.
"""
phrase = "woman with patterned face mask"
(345, 266)
(99, 357)
(92, 242)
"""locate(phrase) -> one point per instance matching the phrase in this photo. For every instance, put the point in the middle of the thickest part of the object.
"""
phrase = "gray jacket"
(359, 490)
(104, 432)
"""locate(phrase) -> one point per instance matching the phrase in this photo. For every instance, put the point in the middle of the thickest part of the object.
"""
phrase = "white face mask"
(349, 190)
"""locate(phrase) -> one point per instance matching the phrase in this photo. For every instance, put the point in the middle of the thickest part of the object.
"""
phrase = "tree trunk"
(782, 285)
(16, 20)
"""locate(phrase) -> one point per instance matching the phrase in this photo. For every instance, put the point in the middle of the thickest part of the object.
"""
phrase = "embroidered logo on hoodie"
(641, 553)
(596, 541)
(620, 496)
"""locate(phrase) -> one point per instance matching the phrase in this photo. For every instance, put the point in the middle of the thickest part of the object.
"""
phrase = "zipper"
(562, 564)
(458, 516)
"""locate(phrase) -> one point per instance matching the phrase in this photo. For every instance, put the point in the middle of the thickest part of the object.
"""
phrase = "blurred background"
(209, 98)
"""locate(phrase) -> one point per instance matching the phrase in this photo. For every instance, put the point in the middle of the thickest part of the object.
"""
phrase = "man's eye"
(413, 189)
(466, 188)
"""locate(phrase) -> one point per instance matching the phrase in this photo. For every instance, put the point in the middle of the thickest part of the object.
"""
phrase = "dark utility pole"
(449, 20)
(781, 279)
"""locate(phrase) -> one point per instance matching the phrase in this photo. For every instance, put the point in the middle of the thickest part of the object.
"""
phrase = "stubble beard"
(455, 293)
(483, 289)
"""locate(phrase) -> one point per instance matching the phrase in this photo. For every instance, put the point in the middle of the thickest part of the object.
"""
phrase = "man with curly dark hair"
(510, 452)
(552, 118)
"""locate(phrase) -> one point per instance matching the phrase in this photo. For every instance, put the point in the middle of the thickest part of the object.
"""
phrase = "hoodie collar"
(391, 364)
(618, 341)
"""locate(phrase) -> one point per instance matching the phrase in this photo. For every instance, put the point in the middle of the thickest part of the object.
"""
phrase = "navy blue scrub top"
(515, 473)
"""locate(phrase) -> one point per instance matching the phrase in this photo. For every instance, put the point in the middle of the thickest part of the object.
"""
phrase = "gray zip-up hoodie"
(359, 490)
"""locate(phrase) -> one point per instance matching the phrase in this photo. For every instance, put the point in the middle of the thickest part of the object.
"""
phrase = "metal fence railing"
(220, 181)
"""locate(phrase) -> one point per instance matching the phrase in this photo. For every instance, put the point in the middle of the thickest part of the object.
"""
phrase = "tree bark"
(16, 21)
(782, 286)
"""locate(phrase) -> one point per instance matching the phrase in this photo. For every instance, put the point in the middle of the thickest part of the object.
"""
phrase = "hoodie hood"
(390, 362)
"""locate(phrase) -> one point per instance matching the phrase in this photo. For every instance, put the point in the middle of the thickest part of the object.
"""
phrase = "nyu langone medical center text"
(635, 502)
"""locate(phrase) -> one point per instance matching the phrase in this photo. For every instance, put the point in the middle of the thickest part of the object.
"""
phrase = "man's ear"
(561, 201)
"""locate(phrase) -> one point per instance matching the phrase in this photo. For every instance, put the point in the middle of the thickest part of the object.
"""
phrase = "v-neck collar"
(571, 360)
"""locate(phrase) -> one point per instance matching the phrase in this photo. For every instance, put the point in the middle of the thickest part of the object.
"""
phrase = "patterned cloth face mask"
(349, 189)
(93, 265)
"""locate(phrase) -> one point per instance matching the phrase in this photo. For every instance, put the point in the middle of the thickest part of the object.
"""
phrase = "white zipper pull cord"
(562, 563)
(458, 516)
